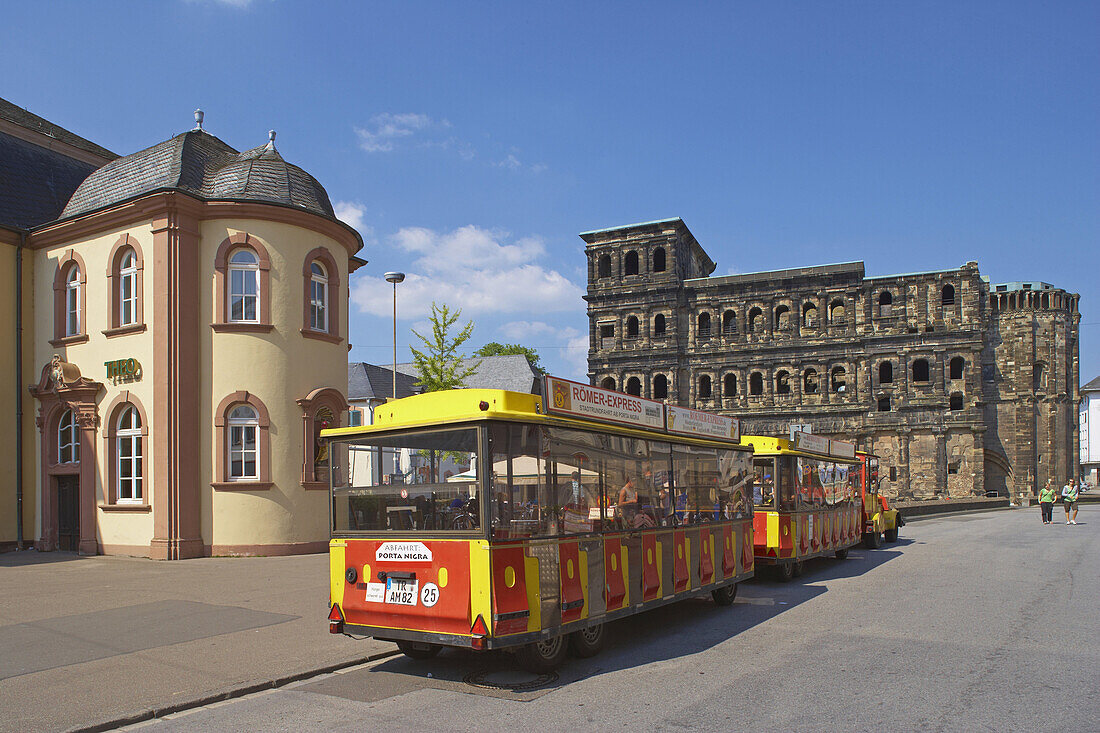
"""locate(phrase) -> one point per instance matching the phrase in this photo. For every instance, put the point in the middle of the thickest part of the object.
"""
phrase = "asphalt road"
(979, 622)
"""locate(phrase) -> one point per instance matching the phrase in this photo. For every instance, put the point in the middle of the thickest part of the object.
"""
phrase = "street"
(985, 621)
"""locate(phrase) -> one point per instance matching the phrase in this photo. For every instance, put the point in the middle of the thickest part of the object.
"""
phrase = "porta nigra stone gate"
(959, 386)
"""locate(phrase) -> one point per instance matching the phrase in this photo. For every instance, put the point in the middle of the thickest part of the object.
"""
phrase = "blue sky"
(471, 142)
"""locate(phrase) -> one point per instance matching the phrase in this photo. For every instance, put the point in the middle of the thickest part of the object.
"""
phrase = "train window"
(426, 481)
(763, 486)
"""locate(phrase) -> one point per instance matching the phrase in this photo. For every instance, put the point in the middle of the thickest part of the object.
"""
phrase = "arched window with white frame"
(243, 447)
(318, 297)
(73, 295)
(244, 287)
(68, 438)
(128, 456)
(128, 290)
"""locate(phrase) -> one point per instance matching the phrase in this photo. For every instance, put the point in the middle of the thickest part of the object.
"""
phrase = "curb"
(940, 515)
(233, 693)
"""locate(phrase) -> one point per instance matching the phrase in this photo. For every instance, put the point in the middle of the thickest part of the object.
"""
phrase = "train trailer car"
(805, 499)
(487, 519)
(878, 519)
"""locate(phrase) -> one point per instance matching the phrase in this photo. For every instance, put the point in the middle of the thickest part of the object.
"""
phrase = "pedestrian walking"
(1046, 501)
(1069, 501)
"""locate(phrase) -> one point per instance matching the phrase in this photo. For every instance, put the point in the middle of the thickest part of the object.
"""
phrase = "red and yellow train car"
(488, 519)
(879, 519)
(805, 500)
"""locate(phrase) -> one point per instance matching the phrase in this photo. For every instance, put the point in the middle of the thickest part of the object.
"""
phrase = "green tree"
(439, 365)
(494, 349)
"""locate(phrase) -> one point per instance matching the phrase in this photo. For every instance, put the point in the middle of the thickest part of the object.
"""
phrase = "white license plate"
(400, 591)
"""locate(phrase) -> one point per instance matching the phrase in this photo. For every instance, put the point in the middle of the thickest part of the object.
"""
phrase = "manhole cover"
(509, 679)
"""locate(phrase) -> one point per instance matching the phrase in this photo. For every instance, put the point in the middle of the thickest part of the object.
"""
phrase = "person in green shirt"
(1046, 501)
(1069, 500)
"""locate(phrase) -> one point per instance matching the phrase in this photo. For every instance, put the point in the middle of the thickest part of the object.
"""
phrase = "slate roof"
(511, 372)
(200, 164)
(367, 381)
(36, 181)
(15, 114)
(1093, 386)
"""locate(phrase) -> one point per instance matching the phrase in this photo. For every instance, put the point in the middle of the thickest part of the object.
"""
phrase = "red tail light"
(478, 633)
(335, 619)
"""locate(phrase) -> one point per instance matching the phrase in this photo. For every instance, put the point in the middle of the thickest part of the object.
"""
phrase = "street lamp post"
(394, 277)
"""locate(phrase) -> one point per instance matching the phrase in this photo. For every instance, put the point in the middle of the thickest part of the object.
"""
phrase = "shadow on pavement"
(669, 632)
(15, 558)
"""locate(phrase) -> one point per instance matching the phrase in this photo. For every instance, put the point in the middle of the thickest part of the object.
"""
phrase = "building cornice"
(153, 206)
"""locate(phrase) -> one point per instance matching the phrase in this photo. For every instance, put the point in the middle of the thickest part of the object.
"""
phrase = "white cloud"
(576, 354)
(350, 213)
(475, 269)
(386, 129)
(516, 330)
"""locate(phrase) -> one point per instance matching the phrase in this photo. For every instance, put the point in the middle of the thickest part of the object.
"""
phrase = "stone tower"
(1030, 371)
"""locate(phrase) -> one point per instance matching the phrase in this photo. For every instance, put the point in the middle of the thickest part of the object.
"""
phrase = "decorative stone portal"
(67, 511)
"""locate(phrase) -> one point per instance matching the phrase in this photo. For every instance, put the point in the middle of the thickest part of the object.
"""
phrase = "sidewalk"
(90, 640)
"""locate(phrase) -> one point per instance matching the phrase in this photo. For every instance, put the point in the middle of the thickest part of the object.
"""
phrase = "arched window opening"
(956, 401)
(318, 297)
(782, 382)
(783, 318)
(660, 387)
(632, 326)
(630, 265)
(809, 315)
(809, 381)
(1039, 376)
(957, 365)
(127, 289)
(884, 404)
(948, 295)
(729, 323)
(68, 438)
(704, 387)
(838, 379)
(885, 298)
(243, 448)
(885, 372)
(244, 286)
(634, 386)
(128, 456)
(608, 383)
(837, 313)
(659, 324)
(756, 320)
(603, 266)
(73, 295)
(704, 324)
(756, 383)
(920, 370)
(659, 259)
(729, 385)
(1045, 301)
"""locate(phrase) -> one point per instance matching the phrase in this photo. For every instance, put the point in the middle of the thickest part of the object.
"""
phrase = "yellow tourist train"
(488, 519)
(807, 500)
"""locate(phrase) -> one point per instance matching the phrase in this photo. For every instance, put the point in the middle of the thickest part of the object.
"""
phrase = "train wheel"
(542, 656)
(784, 571)
(842, 554)
(417, 650)
(724, 596)
(588, 642)
(872, 540)
(891, 535)
(797, 567)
